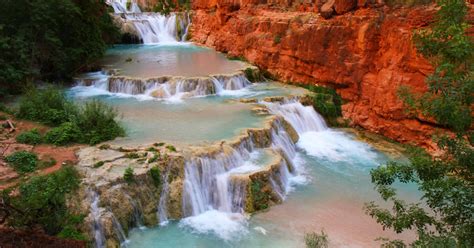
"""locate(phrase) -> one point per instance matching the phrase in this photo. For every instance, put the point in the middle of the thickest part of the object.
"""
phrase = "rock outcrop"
(366, 54)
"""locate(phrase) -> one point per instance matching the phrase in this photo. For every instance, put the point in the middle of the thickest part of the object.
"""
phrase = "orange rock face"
(366, 54)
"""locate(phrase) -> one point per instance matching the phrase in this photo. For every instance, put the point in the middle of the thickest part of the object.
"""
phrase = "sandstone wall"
(366, 54)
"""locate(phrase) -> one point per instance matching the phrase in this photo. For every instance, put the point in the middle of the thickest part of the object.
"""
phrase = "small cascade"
(99, 236)
(302, 118)
(154, 28)
(162, 205)
(165, 87)
(137, 212)
(207, 185)
(122, 238)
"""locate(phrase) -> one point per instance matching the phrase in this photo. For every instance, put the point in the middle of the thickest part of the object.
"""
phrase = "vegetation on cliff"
(446, 182)
(41, 202)
(50, 39)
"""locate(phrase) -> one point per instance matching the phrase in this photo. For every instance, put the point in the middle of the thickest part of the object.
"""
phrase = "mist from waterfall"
(153, 28)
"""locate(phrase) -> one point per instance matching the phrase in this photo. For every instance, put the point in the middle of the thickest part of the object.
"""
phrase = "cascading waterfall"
(99, 236)
(137, 212)
(302, 118)
(165, 88)
(154, 28)
(162, 204)
(207, 181)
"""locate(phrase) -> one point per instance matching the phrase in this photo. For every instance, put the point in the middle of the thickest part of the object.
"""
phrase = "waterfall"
(207, 183)
(162, 204)
(302, 118)
(119, 231)
(99, 236)
(154, 28)
(137, 212)
(161, 88)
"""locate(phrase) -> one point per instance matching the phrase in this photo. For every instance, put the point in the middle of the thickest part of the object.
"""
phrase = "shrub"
(316, 240)
(32, 137)
(155, 158)
(42, 201)
(171, 148)
(97, 123)
(99, 164)
(66, 133)
(22, 161)
(45, 163)
(159, 144)
(155, 175)
(277, 39)
(128, 175)
(48, 106)
(132, 155)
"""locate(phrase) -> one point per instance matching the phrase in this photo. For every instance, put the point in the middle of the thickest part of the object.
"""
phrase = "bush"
(128, 175)
(92, 123)
(277, 39)
(22, 161)
(171, 148)
(42, 201)
(316, 240)
(155, 175)
(326, 102)
(97, 123)
(32, 137)
(66, 133)
(48, 106)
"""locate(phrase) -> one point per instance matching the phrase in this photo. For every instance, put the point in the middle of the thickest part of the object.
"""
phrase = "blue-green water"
(329, 196)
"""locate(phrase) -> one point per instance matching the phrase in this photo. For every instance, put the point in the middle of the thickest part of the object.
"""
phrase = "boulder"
(327, 10)
(344, 6)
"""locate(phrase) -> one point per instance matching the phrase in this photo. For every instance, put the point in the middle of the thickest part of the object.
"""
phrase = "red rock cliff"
(366, 54)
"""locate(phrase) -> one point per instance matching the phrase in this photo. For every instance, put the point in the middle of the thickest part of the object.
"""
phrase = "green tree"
(50, 39)
(446, 181)
(42, 202)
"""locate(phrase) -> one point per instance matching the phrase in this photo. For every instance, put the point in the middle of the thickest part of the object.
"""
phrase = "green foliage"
(316, 240)
(128, 175)
(92, 123)
(48, 106)
(164, 7)
(451, 86)
(260, 198)
(50, 39)
(32, 137)
(22, 161)
(66, 133)
(171, 148)
(132, 155)
(97, 123)
(277, 39)
(99, 164)
(159, 144)
(326, 102)
(155, 175)
(45, 163)
(155, 158)
(446, 182)
(42, 201)
(5, 109)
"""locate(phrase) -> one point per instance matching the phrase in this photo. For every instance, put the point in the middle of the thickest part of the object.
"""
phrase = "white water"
(316, 139)
(162, 204)
(154, 28)
(99, 237)
(214, 195)
(173, 90)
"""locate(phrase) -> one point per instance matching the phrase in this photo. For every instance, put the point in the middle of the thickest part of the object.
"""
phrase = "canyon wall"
(366, 53)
